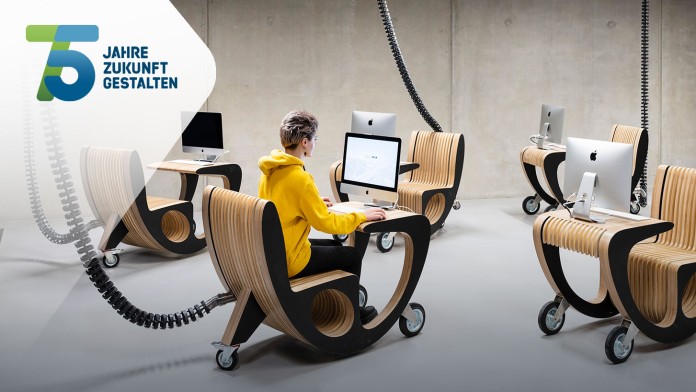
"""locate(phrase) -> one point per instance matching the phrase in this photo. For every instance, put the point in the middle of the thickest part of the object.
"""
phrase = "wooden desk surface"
(189, 168)
(612, 224)
(391, 214)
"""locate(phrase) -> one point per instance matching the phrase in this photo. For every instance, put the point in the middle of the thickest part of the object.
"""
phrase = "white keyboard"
(347, 209)
(192, 162)
(619, 214)
(554, 145)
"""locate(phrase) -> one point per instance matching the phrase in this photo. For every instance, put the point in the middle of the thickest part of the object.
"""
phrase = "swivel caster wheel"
(412, 328)
(110, 260)
(340, 237)
(227, 363)
(530, 206)
(615, 347)
(635, 208)
(547, 318)
(384, 242)
(362, 296)
(457, 205)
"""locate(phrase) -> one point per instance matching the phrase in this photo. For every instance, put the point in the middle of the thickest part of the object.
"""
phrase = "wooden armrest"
(619, 238)
(308, 282)
(405, 167)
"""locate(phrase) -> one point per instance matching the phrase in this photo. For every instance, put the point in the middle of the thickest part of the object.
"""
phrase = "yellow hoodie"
(286, 183)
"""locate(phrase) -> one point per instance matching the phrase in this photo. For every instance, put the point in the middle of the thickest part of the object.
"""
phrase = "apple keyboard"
(619, 214)
(347, 209)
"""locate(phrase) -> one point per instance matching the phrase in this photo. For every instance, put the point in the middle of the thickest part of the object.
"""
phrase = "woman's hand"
(327, 201)
(374, 214)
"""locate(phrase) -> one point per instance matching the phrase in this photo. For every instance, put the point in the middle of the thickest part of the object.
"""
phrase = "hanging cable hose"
(62, 179)
(78, 235)
(391, 36)
(644, 64)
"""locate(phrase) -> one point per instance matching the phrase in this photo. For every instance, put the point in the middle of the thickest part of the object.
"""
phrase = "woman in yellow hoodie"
(300, 207)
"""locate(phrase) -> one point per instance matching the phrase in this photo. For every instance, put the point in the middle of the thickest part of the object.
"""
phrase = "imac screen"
(371, 161)
(613, 164)
(204, 130)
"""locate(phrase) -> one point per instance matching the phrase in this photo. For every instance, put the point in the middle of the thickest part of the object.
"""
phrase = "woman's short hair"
(296, 126)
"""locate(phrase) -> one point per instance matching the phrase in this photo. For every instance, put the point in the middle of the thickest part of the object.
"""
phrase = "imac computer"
(373, 123)
(599, 174)
(202, 133)
(371, 166)
(550, 126)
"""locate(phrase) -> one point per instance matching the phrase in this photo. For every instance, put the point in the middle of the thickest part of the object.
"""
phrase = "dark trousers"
(328, 255)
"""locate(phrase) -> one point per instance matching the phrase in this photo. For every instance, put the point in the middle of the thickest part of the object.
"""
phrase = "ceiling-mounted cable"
(644, 64)
(396, 52)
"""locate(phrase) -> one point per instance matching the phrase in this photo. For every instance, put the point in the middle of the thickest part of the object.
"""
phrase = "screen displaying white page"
(370, 161)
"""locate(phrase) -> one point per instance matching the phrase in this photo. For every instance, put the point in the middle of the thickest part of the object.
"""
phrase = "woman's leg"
(330, 255)
(327, 255)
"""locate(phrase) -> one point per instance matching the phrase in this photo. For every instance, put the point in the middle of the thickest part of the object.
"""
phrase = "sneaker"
(367, 314)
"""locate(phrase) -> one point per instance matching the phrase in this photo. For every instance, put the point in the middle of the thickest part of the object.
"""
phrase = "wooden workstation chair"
(647, 267)
(431, 189)
(653, 283)
(432, 173)
(115, 187)
(550, 158)
(245, 242)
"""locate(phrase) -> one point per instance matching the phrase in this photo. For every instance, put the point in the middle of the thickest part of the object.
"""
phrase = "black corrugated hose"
(644, 64)
(391, 36)
(78, 235)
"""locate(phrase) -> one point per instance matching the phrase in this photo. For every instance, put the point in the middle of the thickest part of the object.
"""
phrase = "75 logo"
(61, 56)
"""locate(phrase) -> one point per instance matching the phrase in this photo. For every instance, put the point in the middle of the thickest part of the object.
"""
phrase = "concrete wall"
(482, 68)
(678, 90)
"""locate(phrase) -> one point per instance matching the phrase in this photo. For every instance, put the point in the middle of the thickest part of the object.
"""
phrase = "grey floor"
(482, 288)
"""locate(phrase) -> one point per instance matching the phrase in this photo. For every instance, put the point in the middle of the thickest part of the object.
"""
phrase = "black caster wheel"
(550, 208)
(110, 260)
(635, 208)
(384, 243)
(412, 328)
(529, 206)
(614, 346)
(228, 365)
(457, 205)
(547, 322)
(340, 237)
(362, 296)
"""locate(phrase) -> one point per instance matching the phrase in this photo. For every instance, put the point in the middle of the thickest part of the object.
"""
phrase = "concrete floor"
(482, 288)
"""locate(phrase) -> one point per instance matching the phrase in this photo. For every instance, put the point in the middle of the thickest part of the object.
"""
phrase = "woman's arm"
(319, 217)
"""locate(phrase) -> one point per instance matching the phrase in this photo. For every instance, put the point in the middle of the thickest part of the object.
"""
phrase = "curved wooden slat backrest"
(114, 183)
(652, 267)
(243, 235)
(432, 188)
(436, 153)
(674, 200)
(109, 180)
(639, 139)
